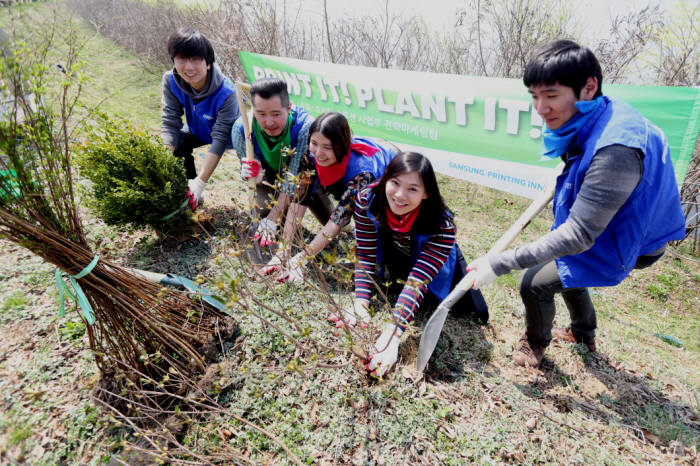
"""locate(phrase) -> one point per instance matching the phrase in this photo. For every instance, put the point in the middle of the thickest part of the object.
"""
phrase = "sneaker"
(565, 334)
(527, 355)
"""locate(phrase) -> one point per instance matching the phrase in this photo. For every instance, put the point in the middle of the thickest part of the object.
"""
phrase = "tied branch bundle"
(149, 342)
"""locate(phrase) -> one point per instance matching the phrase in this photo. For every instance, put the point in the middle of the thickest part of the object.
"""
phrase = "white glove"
(387, 347)
(351, 314)
(273, 265)
(251, 169)
(295, 269)
(266, 232)
(195, 192)
(480, 272)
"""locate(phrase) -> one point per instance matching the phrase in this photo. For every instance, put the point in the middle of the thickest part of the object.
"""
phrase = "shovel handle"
(155, 277)
(433, 327)
(245, 105)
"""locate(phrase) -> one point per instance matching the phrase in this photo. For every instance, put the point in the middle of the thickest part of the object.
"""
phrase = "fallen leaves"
(531, 424)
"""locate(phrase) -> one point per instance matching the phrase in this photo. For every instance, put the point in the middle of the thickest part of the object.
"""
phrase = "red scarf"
(401, 223)
(332, 173)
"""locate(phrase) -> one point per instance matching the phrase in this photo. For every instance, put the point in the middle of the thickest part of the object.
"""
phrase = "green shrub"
(136, 180)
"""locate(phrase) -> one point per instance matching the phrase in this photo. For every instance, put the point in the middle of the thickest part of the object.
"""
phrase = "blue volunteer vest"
(202, 116)
(374, 165)
(299, 117)
(441, 284)
(651, 217)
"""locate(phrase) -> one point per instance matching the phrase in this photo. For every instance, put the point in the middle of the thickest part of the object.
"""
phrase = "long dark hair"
(432, 210)
(335, 127)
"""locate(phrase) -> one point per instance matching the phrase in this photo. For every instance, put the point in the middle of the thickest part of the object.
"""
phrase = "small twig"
(564, 424)
(681, 256)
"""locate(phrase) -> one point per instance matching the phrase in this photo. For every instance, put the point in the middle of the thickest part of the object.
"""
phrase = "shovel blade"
(430, 337)
(206, 295)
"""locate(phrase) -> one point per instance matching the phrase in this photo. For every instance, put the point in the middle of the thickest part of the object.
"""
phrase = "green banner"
(479, 129)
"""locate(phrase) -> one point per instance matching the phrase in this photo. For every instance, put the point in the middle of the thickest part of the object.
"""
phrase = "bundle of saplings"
(149, 343)
(135, 178)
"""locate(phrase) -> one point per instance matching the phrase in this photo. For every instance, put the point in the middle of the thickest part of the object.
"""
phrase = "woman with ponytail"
(344, 165)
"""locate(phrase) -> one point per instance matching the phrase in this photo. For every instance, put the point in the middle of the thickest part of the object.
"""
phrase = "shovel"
(245, 105)
(181, 282)
(433, 328)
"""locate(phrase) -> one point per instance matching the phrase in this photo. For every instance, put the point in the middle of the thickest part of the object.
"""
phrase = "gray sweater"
(613, 174)
(171, 117)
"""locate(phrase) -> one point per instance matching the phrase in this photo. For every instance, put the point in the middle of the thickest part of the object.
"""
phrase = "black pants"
(539, 284)
(185, 147)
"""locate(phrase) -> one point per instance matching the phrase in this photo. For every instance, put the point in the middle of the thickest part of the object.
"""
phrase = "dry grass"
(635, 402)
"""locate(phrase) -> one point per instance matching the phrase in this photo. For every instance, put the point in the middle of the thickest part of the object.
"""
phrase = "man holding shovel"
(280, 137)
(196, 87)
(616, 203)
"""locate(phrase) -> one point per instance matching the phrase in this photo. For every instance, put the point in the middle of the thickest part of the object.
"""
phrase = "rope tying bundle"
(79, 296)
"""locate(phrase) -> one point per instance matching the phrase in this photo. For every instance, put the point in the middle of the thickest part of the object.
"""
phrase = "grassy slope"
(474, 407)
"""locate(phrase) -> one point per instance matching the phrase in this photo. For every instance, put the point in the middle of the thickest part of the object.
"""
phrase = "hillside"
(635, 401)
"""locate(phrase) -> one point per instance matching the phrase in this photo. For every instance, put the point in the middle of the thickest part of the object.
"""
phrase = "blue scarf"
(556, 142)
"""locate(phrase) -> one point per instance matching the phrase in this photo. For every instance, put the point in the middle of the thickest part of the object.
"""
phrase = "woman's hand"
(267, 229)
(387, 347)
(358, 311)
(294, 272)
(273, 265)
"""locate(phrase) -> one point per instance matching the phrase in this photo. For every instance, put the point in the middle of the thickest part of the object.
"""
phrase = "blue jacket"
(359, 163)
(441, 285)
(375, 164)
(202, 115)
(650, 217)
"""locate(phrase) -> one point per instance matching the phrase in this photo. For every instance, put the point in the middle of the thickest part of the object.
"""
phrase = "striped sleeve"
(431, 259)
(366, 238)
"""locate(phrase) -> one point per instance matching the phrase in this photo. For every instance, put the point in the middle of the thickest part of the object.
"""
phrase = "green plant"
(72, 331)
(136, 180)
(17, 301)
(19, 435)
(658, 291)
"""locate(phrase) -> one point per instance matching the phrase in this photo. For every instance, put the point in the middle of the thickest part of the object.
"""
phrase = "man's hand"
(358, 311)
(195, 192)
(266, 232)
(251, 169)
(480, 272)
(387, 347)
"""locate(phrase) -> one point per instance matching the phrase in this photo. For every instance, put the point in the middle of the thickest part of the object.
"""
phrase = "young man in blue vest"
(616, 204)
(277, 125)
(196, 87)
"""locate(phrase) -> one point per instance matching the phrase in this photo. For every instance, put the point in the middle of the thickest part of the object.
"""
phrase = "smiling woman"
(344, 166)
(403, 227)
(404, 193)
